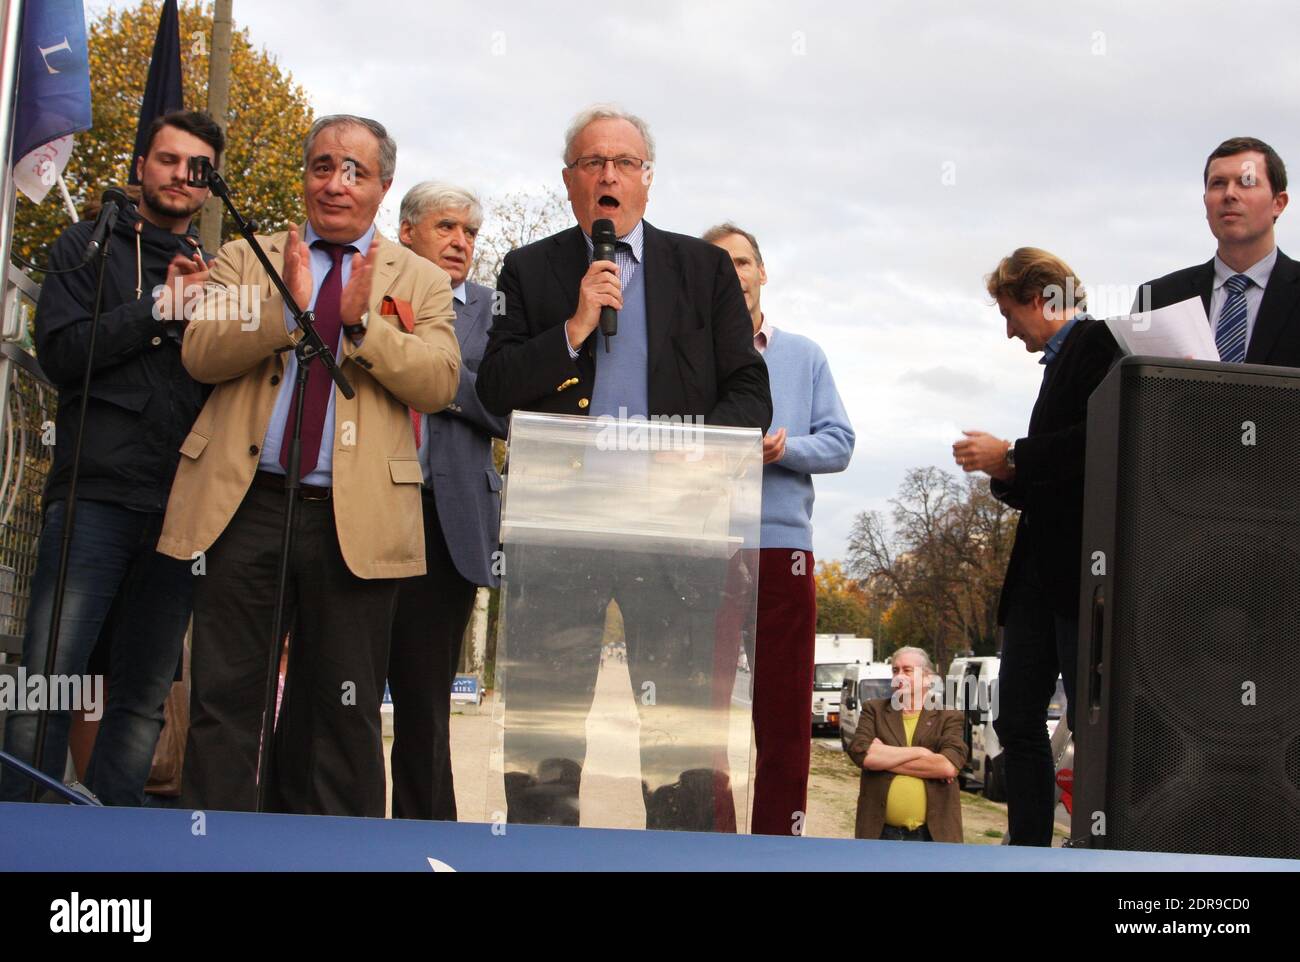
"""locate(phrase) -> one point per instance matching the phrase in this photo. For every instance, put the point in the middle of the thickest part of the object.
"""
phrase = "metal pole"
(11, 23)
(219, 108)
(68, 205)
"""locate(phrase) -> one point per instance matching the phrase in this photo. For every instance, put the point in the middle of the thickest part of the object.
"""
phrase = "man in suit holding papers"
(1250, 289)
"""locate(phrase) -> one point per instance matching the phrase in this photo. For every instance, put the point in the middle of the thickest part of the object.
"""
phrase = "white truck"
(832, 655)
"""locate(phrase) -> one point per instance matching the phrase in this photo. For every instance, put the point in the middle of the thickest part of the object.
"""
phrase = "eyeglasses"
(624, 165)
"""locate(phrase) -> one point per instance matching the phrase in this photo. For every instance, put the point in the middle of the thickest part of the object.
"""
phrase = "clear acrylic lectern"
(630, 572)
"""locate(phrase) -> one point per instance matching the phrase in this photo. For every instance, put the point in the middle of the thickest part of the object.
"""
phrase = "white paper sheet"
(1179, 330)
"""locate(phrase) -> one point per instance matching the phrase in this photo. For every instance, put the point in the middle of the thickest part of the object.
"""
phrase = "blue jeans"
(118, 584)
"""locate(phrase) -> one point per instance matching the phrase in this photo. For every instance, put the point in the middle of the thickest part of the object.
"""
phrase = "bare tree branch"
(938, 566)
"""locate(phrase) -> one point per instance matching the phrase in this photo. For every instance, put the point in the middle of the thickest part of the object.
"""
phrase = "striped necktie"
(1230, 335)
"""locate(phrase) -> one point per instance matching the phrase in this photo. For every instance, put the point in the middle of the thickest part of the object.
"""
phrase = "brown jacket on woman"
(939, 731)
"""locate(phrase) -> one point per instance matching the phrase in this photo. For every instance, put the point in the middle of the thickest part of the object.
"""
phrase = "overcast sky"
(885, 155)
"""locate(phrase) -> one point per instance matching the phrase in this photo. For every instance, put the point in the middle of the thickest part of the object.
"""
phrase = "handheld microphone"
(603, 240)
(113, 202)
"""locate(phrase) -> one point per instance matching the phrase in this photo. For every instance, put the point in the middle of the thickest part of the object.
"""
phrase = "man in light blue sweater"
(810, 435)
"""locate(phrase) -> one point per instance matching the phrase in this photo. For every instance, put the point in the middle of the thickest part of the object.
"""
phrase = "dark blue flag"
(53, 76)
(162, 91)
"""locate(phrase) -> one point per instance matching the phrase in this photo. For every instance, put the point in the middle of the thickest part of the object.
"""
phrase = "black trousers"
(432, 612)
(892, 833)
(1038, 644)
(329, 757)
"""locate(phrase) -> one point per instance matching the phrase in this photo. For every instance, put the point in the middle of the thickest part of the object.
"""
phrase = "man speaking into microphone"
(119, 589)
(683, 345)
(680, 344)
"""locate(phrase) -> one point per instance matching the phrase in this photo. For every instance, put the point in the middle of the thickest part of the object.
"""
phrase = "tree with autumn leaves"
(843, 604)
(268, 118)
(934, 569)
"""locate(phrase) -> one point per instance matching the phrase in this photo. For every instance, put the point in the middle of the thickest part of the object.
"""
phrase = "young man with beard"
(142, 404)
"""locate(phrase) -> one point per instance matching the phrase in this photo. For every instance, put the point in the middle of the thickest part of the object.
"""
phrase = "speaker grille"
(1205, 672)
(1225, 454)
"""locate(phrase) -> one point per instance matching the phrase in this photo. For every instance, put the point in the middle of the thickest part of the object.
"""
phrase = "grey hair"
(387, 146)
(926, 663)
(433, 195)
(606, 112)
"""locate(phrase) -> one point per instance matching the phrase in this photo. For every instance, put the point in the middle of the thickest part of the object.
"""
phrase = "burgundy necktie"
(320, 385)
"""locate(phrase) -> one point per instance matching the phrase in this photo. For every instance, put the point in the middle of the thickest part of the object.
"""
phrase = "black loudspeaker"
(1188, 703)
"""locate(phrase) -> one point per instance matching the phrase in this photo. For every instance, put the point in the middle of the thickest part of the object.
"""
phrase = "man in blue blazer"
(462, 510)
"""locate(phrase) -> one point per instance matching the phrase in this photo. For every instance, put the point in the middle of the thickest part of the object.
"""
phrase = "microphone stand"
(70, 512)
(309, 348)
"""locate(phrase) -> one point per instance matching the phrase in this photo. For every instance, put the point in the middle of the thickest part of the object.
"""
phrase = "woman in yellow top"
(910, 754)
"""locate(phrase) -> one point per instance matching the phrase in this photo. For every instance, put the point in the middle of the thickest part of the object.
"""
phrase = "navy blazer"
(700, 339)
(1048, 486)
(1275, 338)
(466, 486)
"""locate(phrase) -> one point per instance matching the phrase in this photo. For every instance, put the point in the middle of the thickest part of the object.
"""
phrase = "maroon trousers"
(782, 696)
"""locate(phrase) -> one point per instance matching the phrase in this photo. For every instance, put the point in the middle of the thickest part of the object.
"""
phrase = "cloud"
(949, 382)
(886, 156)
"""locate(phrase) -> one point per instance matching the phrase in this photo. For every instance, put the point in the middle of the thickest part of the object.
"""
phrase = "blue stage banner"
(68, 838)
(54, 74)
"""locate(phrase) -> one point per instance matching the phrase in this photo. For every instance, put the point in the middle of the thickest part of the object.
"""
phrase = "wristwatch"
(358, 329)
(1011, 455)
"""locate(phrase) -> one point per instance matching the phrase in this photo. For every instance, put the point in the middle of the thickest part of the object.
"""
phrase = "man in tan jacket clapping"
(359, 518)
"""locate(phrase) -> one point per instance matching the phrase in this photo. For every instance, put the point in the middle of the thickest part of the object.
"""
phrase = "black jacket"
(700, 339)
(1275, 338)
(1048, 486)
(142, 402)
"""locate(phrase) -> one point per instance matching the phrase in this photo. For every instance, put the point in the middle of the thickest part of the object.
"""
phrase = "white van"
(861, 683)
(971, 687)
